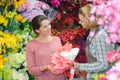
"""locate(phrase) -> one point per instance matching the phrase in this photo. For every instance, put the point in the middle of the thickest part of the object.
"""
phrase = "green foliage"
(7, 74)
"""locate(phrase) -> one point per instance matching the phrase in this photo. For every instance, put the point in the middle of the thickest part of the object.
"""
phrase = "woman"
(96, 48)
(40, 49)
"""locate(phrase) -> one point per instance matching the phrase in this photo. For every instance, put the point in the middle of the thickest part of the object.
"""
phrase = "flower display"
(108, 10)
(72, 34)
(14, 34)
(10, 18)
(68, 14)
(9, 43)
(32, 8)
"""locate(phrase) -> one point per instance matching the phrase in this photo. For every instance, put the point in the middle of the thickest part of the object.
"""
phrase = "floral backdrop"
(15, 31)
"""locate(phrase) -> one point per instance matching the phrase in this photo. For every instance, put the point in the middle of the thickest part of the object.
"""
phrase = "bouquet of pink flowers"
(63, 58)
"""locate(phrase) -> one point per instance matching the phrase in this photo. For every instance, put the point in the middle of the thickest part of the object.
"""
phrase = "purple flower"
(82, 43)
(30, 14)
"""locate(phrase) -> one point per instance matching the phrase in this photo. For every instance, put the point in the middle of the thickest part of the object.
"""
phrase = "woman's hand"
(48, 68)
(45, 68)
(51, 70)
(76, 66)
(79, 73)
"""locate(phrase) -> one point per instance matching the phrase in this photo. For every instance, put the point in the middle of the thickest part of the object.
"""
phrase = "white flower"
(117, 66)
(19, 75)
(70, 55)
(16, 60)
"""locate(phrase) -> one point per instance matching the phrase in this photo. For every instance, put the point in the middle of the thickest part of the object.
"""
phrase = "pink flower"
(118, 57)
(92, 34)
(113, 75)
(100, 21)
(111, 56)
(92, 18)
(39, 4)
(109, 10)
(55, 3)
(60, 63)
(108, 40)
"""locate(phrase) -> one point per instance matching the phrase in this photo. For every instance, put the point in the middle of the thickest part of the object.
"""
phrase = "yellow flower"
(1, 33)
(5, 22)
(1, 57)
(23, 20)
(11, 41)
(1, 65)
(2, 19)
(1, 44)
(2, 60)
(2, 3)
(17, 3)
(96, 77)
(20, 18)
(101, 75)
(5, 59)
(10, 14)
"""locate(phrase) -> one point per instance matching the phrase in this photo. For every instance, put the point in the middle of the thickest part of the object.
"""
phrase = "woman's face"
(45, 28)
(83, 21)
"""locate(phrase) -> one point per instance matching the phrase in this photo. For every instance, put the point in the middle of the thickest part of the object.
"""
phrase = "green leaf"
(1, 28)
(1, 71)
(7, 74)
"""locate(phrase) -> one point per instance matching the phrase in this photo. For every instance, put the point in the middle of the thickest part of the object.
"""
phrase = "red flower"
(70, 8)
(70, 21)
(67, 73)
(59, 16)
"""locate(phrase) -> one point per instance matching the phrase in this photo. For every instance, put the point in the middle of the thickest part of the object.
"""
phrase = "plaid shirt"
(98, 49)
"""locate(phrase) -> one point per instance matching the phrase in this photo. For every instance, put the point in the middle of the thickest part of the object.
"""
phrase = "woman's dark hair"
(36, 22)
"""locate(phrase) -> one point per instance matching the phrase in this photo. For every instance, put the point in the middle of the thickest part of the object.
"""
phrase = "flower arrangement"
(63, 58)
(14, 34)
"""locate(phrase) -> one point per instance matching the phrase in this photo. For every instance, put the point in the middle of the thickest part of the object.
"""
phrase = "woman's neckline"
(45, 42)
